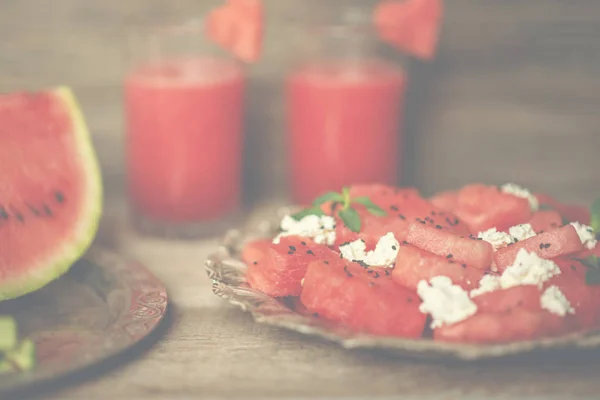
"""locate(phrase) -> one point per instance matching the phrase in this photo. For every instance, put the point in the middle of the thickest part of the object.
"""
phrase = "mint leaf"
(592, 277)
(371, 207)
(595, 220)
(329, 196)
(308, 211)
(351, 219)
(590, 262)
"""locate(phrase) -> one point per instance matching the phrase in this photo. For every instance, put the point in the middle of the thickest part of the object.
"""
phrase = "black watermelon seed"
(20, 217)
(293, 248)
(326, 262)
(438, 227)
(47, 210)
(376, 275)
(316, 315)
(59, 197)
(394, 247)
(547, 245)
(255, 262)
(290, 252)
(361, 263)
(303, 243)
(402, 217)
(387, 272)
(541, 246)
(394, 208)
(371, 284)
(370, 271)
(310, 252)
(573, 268)
(34, 210)
(404, 242)
(423, 222)
(463, 265)
(449, 256)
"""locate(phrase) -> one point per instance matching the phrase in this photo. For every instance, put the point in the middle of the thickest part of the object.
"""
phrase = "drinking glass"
(344, 98)
(184, 137)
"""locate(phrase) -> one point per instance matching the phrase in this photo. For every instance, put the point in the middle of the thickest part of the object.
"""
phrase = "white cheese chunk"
(586, 235)
(556, 302)
(496, 238)
(319, 228)
(528, 269)
(488, 283)
(446, 303)
(384, 254)
(518, 191)
(522, 231)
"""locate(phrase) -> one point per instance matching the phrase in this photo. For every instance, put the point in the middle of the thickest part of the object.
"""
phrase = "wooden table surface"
(215, 351)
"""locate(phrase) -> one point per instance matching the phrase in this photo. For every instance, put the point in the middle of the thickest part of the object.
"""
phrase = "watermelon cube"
(483, 207)
(280, 271)
(518, 324)
(503, 300)
(554, 243)
(543, 221)
(414, 265)
(364, 301)
(463, 250)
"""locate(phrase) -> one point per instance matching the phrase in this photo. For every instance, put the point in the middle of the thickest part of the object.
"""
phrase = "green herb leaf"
(308, 211)
(371, 207)
(346, 197)
(592, 277)
(351, 219)
(595, 220)
(329, 196)
(590, 262)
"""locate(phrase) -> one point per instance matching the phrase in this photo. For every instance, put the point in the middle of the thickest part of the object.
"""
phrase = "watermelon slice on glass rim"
(237, 26)
(50, 189)
(412, 26)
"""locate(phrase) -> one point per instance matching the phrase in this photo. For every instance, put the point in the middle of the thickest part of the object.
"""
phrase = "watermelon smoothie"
(184, 139)
(343, 125)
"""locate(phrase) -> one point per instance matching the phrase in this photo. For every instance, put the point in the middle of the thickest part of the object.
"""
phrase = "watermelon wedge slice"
(410, 25)
(237, 26)
(50, 189)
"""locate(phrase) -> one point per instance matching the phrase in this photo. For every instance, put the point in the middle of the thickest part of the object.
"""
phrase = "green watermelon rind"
(48, 270)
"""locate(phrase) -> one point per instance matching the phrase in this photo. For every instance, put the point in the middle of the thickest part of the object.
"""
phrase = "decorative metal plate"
(103, 306)
(227, 272)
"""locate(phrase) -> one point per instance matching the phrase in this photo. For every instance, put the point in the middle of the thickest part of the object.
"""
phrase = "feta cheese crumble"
(528, 269)
(496, 238)
(320, 228)
(488, 283)
(521, 232)
(446, 303)
(586, 235)
(518, 191)
(556, 302)
(383, 255)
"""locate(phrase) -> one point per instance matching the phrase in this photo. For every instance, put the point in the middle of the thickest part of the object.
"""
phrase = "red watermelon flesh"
(516, 325)
(410, 25)
(255, 250)
(482, 207)
(50, 190)
(585, 299)
(474, 253)
(414, 265)
(445, 200)
(503, 300)
(281, 269)
(237, 26)
(345, 292)
(570, 212)
(543, 221)
(548, 245)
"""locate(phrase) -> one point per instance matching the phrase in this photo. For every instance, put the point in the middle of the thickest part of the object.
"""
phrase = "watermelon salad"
(482, 264)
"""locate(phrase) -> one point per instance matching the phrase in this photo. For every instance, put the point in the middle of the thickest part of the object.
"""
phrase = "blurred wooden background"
(513, 96)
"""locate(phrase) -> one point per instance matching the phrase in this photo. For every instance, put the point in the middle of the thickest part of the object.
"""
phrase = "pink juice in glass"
(184, 139)
(343, 125)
